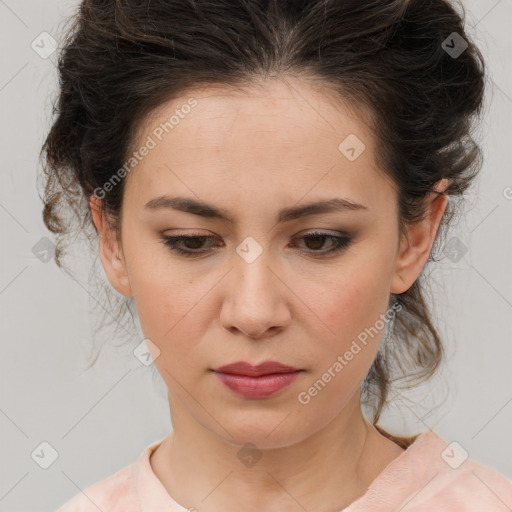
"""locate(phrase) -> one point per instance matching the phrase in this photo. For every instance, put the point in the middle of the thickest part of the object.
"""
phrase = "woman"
(267, 181)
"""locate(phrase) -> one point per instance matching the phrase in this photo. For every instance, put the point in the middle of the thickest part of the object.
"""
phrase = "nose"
(256, 300)
(249, 335)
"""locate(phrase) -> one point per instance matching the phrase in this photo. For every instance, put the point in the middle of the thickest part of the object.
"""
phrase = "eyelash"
(341, 242)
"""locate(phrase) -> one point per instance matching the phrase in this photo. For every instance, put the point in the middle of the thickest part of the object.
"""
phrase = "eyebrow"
(189, 205)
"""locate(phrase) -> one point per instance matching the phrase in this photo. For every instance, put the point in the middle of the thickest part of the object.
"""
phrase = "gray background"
(99, 420)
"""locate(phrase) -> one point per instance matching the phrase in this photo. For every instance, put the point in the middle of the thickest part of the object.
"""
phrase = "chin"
(263, 431)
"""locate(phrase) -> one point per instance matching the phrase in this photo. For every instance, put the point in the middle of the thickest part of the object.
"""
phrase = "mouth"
(261, 381)
(247, 369)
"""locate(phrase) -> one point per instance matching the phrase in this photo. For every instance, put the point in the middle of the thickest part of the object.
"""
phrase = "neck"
(325, 472)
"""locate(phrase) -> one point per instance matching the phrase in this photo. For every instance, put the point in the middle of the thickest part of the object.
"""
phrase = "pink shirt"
(429, 476)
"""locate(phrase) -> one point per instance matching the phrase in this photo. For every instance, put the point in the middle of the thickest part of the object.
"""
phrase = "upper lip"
(264, 368)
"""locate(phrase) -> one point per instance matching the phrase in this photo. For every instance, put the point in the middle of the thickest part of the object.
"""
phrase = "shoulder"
(474, 487)
(116, 493)
(455, 481)
(434, 474)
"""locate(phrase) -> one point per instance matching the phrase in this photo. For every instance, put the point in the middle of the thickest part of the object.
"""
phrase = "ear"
(416, 246)
(111, 254)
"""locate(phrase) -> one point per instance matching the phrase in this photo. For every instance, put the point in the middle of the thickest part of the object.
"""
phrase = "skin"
(253, 154)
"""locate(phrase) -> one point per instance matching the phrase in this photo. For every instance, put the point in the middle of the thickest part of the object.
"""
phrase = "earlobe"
(110, 251)
(416, 245)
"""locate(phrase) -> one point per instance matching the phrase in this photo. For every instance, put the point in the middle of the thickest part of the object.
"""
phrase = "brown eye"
(193, 244)
(316, 240)
(190, 245)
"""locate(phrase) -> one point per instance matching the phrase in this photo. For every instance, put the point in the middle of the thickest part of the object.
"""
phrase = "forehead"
(283, 135)
(264, 107)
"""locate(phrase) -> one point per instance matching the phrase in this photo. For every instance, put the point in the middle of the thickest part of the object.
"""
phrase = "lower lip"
(257, 387)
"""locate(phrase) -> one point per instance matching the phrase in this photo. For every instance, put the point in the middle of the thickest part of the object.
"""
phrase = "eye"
(194, 241)
(317, 240)
(192, 245)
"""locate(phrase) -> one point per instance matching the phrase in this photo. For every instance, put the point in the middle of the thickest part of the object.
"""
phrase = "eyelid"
(341, 240)
(309, 231)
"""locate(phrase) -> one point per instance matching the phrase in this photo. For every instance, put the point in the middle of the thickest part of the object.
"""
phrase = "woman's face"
(257, 290)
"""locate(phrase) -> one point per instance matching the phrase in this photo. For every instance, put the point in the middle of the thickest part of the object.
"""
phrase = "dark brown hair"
(392, 61)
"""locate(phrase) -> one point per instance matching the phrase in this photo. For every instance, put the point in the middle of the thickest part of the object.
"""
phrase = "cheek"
(170, 318)
(174, 306)
(169, 314)
(355, 301)
(353, 309)
(164, 298)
